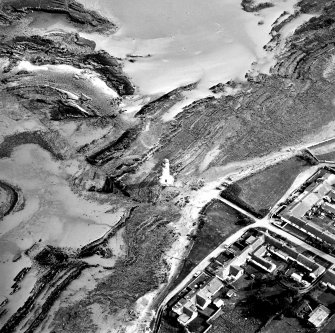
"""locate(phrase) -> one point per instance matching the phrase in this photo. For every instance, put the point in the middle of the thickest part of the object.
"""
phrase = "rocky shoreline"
(14, 10)
(58, 92)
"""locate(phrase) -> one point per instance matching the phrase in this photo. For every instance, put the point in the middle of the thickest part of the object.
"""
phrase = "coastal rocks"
(251, 6)
(115, 148)
(8, 199)
(11, 199)
(67, 49)
(162, 104)
(49, 141)
(69, 109)
(75, 11)
(43, 295)
(50, 255)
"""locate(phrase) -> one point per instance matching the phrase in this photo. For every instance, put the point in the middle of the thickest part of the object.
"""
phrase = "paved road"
(264, 223)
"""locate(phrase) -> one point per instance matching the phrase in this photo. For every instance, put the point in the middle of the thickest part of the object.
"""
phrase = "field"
(330, 327)
(286, 324)
(218, 221)
(330, 156)
(232, 321)
(259, 192)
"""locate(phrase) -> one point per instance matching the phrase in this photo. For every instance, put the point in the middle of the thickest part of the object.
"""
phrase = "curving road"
(265, 222)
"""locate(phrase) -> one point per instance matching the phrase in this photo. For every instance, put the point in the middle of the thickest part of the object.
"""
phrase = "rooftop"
(319, 315)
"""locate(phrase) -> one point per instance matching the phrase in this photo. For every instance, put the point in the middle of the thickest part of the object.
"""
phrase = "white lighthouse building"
(166, 179)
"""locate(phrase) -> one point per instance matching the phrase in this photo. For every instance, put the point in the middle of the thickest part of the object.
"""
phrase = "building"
(296, 277)
(318, 316)
(258, 259)
(166, 179)
(300, 212)
(236, 272)
(232, 270)
(189, 312)
(329, 279)
(287, 253)
(230, 293)
(205, 295)
(187, 307)
(250, 240)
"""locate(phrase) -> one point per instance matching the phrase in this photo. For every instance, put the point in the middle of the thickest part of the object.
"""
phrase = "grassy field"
(330, 327)
(287, 325)
(233, 321)
(260, 191)
(327, 156)
(218, 221)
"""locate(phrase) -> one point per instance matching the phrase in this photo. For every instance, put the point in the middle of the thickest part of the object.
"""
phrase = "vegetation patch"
(217, 222)
(147, 237)
(259, 192)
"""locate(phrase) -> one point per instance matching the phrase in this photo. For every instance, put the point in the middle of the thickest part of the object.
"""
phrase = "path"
(265, 222)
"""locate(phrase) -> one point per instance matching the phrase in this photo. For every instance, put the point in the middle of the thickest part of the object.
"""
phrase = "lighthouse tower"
(166, 179)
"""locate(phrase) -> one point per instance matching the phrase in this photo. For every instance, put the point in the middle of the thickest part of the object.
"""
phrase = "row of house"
(258, 250)
(200, 297)
(320, 192)
(187, 307)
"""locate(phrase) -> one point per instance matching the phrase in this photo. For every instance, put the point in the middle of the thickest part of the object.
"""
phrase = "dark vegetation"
(260, 191)
(216, 222)
(147, 237)
(327, 156)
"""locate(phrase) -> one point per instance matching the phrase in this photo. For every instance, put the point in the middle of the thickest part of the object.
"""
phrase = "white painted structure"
(166, 179)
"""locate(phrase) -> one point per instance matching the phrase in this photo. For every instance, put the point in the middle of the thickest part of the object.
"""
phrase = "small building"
(187, 307)
(318, 316)
(236, 272)
(250, 240)
(218, 302)
(166, 179)
(296, 277)
(259, 260)
(328, 208)
(189, 313)
(230, 293)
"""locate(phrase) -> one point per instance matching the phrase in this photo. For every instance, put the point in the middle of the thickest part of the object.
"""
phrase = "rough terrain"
(58, 92)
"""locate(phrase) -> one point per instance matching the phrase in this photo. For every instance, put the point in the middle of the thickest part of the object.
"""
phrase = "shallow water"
(52, 212)
(188, 40)
(50, 22)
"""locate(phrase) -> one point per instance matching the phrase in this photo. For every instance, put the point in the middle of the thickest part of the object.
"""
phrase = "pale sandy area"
(85, 74)
(53, 214)
(189, 41)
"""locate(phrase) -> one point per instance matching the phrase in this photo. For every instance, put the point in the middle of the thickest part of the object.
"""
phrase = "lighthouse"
(166, 179)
